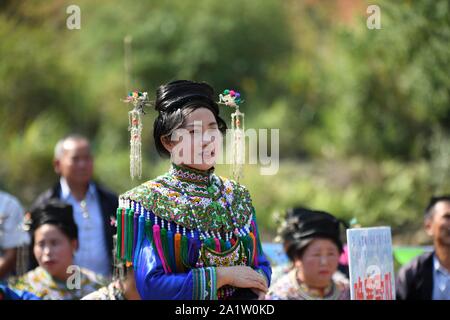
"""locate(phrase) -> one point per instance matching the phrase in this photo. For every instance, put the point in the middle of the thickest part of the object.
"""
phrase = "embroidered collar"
(186, 174)
(330, 293)
(219, 204)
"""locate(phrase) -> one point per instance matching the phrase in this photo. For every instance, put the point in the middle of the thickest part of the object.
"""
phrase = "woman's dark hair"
(303, 225)
(57, 213)
(175, 101)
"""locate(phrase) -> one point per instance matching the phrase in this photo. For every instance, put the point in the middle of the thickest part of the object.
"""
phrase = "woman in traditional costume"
(190, 233)
(54, 237)
(311, 240)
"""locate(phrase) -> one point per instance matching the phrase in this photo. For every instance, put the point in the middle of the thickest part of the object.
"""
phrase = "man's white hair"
(59, 148)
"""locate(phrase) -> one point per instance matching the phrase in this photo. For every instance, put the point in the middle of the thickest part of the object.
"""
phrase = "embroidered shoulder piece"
(192, 219)
(223, 205)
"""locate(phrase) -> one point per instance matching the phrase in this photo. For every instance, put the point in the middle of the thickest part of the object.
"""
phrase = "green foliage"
(376, 194)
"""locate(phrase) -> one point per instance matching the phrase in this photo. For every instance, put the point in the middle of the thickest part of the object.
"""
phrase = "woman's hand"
(241, 277)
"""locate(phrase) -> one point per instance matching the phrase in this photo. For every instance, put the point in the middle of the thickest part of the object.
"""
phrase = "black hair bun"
(176, 94)
(57, 213)
(302, 225)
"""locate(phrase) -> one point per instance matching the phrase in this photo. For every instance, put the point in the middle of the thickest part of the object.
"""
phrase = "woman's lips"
(49, 263)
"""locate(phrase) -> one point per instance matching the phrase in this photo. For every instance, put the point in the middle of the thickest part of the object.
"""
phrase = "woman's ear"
(298, 263)
(167, 143)
(74, 245)
(298, 266)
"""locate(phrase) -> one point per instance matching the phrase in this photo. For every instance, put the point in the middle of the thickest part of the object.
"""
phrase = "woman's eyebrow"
(191, 125)
(198, 123)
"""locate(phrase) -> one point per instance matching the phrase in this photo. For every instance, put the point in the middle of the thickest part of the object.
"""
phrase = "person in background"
(92, 204)
(54, 239)
(12, 235)
(427, 277)
(311, 240)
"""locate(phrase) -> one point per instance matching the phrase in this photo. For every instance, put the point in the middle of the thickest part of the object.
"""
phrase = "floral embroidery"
(39, 282)
(173, 197)
(113, 291)
(232, 257)
(288, 287)
(195, 221)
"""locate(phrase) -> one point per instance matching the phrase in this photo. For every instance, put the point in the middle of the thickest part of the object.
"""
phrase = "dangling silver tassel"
(139, 101)
(232, 99)
(238, 127)
(135, 128)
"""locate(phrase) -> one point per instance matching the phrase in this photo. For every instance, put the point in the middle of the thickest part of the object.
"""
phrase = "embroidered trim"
(189, 174)
(233, 257)
(333, 291)
(189, 224)
(229, 205)
(205, 284)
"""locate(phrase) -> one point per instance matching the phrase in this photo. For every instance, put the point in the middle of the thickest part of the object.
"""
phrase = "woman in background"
(312, 242)
(54, 237)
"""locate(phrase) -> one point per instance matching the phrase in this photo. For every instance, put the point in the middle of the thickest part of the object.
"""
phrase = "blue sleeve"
(263, 263)
(14, 294)
(153, 283)
(264, 267)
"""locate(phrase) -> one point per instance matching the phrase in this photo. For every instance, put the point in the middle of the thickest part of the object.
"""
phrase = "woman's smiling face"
(196, 144)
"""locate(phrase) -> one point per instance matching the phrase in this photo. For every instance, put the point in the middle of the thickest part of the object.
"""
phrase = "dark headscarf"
(303, 225)
(57, 213)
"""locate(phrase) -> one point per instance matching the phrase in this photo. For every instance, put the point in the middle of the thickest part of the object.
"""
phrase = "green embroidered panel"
(215, 203)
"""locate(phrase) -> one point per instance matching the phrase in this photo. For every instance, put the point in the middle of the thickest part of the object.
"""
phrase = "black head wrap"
(57, 213)
(304, 225)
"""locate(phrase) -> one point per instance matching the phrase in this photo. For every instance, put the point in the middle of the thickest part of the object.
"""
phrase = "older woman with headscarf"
(312, 242)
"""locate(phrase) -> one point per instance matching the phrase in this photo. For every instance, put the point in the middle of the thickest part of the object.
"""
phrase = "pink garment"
(343, 259)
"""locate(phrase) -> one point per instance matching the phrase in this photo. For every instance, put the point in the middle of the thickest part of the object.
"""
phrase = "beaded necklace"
(205, 234)
(309, 294)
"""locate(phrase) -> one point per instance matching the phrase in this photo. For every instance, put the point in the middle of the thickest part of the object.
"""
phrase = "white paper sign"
(371, 263)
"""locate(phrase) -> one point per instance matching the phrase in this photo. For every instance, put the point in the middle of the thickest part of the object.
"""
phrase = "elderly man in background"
(93, 205)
